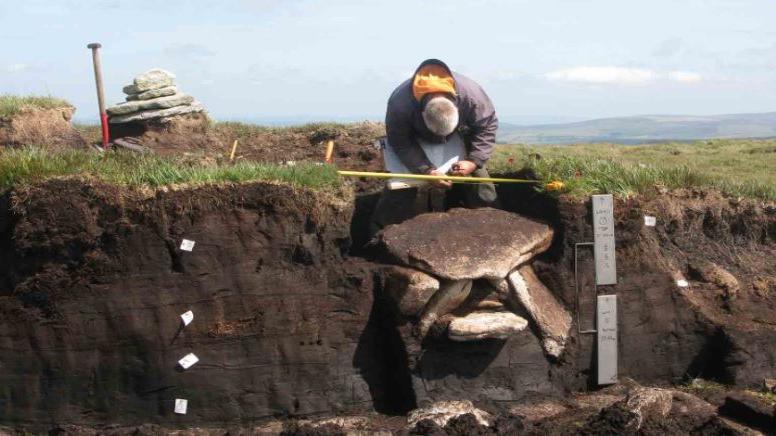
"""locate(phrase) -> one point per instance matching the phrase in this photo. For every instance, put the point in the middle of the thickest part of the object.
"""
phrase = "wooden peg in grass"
(329, 152)
(234, 149)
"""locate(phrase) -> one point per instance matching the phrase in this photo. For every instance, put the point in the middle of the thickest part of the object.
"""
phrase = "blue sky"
(339, 59)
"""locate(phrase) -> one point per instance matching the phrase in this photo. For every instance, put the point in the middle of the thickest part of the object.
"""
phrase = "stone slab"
(152, 79)
(485, 325)
(158, 113)
(552, 319)
(450, 295)
(465, 244)
(154, 93)
(130, 107)
(409, 289)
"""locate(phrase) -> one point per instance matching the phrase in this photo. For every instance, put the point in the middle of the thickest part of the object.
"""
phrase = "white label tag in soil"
(187, 245)
(650, 221)
(187, 317)
(603, 234)
(188, 361)
(606, 326)
(181, 405)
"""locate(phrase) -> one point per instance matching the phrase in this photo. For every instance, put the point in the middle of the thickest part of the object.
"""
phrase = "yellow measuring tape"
(552, 186)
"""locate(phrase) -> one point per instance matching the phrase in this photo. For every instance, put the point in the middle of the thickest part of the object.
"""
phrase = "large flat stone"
(151, 79)
(409, 289)
(465, 244)
(485, 325)
(154, 93)
(158, 113)
(553, 320)
(129, 107)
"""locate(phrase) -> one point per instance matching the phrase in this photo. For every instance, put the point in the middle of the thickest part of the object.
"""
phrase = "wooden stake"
(329, 152)
(234, 148)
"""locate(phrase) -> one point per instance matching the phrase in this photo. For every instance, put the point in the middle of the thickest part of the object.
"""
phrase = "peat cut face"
(95, 282)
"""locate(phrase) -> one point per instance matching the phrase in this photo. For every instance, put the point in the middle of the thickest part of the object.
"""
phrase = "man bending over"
(437, 113)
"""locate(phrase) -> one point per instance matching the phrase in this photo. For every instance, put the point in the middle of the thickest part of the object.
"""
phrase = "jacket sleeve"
(400, 137)
(483, 124)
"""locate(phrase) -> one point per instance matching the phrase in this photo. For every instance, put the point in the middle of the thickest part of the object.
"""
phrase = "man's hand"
(463, 168)
(440, 183)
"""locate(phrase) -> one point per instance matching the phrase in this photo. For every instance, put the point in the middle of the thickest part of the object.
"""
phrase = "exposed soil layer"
(288, 324)
(93, 283)
(194, 134)
(48, 128)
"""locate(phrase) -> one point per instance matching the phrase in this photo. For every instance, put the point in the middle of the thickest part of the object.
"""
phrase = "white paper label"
(188, 361)
(606, 325)
(682, 283)
(445, 167)
(187, 245)
(181, 405)
(603, 237)
(650, 221)
(187, 317)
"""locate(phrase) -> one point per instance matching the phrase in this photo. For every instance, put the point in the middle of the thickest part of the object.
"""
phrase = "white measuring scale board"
(606, 326)
(603, 236)
(442, 156)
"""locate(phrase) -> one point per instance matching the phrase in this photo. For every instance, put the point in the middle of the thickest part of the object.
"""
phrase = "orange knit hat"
(430, 79)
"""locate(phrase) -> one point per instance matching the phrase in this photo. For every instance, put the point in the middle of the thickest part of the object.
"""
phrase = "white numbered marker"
(181, 405)
(650, 221)
(187, 317)
(188, 361)
(187, 245)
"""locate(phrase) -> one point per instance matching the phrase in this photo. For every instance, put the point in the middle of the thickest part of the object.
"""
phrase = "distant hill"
(643, 129)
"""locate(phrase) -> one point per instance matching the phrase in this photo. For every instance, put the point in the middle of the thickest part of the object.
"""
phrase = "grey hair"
(440, 115)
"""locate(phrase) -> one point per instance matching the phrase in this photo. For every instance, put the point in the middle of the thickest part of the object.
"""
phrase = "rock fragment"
(443, 411)
(648, 403)
(485, 325)
(151, 79)
(450, 295)
(158, 113)
(410, 289)
(465, 244)
(748, 408)
(144, 105)
(553, 320)
(154, 93)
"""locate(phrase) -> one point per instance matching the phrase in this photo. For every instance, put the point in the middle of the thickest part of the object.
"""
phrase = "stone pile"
(474, 284)
(153, 96)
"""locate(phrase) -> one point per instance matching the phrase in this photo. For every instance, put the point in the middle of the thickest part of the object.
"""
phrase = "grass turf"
(735, 167)
(13, 104)
(26, 165)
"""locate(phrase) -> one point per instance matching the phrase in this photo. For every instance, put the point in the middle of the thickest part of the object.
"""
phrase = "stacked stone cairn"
(153, 97)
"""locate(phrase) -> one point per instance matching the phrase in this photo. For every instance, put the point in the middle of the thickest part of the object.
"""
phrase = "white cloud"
(620, 76)
(684, 77)
(16, 68)
(603, 75)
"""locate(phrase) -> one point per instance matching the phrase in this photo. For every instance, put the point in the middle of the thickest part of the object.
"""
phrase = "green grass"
(13, 104)
(735, 167)
(28, 165)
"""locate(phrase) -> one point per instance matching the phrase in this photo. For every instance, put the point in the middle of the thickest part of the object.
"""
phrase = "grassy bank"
(13, 104)
(737, 167)
(28, 165)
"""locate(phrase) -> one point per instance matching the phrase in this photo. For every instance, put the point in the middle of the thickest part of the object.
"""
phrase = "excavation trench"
(291, 316)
